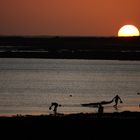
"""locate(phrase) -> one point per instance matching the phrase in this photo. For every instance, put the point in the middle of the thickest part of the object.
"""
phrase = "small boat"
(97, 103)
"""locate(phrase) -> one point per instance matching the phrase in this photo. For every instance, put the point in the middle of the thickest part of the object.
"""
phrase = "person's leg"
(55, 110)
(115, 103)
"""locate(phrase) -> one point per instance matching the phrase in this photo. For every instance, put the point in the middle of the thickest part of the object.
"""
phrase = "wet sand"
(89, 125)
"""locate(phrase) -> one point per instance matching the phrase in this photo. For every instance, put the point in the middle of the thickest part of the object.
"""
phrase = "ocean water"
(28, 86)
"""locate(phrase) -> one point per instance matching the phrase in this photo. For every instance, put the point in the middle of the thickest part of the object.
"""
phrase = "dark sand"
(88, 126)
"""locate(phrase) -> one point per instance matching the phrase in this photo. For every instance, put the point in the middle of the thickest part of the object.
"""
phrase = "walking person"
(116, 99)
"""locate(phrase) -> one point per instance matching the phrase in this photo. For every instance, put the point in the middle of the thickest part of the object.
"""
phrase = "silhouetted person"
(55, 107)
(116, 99)
(100, 109)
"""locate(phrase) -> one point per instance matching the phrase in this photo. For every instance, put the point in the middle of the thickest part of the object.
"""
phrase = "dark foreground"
(87, 126)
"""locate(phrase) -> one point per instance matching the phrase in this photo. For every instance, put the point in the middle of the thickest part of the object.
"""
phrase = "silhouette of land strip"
(120, 48)
(84, 125)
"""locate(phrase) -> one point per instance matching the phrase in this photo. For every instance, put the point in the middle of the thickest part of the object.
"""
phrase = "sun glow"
(128, 30)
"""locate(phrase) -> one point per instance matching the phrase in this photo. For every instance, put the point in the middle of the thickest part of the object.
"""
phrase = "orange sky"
(67, 17)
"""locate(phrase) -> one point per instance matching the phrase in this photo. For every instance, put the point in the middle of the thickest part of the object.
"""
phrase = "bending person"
(55, 107)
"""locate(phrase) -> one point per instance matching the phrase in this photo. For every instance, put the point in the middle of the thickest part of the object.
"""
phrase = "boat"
(97, 103)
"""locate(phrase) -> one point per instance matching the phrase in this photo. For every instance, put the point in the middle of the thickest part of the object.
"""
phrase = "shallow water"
(28, 86)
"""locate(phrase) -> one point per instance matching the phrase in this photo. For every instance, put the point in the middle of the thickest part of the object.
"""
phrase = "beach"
(69, 69)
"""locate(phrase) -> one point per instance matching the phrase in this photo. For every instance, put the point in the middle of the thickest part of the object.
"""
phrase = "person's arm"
(120, 100)
(113, 98)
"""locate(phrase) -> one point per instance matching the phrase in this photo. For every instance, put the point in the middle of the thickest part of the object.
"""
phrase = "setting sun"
(128, 30)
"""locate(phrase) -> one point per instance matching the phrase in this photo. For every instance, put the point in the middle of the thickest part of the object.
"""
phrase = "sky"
(67, 17)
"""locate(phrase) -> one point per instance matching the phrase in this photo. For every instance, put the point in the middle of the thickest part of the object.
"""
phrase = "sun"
(128, 31)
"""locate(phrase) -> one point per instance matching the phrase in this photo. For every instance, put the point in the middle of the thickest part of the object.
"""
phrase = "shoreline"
(95, 115)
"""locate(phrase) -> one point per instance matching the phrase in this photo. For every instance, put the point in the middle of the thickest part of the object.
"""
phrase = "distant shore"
(109, 48)
(78, 55)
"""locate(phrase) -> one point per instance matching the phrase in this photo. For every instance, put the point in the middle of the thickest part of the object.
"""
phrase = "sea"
(29, 86)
